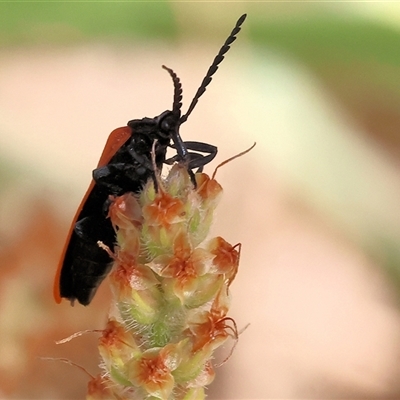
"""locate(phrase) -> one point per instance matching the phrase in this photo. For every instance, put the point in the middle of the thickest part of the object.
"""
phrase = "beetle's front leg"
(195, 159)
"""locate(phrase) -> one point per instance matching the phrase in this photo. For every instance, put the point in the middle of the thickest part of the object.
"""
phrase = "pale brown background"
(323, 315)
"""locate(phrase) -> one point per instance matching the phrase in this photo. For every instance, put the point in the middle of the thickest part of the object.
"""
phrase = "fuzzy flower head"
(171, 289)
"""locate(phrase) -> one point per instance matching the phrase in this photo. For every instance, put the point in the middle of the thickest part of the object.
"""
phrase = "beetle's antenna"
(214, 67)
(177, 103)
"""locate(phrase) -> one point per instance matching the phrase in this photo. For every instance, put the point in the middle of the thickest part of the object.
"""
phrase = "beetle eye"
(165, 125)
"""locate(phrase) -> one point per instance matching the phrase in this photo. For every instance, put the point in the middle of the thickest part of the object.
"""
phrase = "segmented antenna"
(177, 102)
(214, 67)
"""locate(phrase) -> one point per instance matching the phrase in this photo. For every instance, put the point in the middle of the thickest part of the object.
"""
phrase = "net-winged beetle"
(125, 166)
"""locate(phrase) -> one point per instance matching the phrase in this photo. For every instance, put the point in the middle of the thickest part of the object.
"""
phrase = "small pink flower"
(128, 274)
(125, 211)
(208, 189)
(226, 258)
(164, 210)
(136, 287)
(117, 345)
(209, 329)
(126, 217)
(152, 371)
(186, 270)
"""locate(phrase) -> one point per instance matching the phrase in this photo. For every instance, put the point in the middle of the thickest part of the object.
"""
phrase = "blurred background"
(315, 204)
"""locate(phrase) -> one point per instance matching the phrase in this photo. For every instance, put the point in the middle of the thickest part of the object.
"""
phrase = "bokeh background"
(315, 204)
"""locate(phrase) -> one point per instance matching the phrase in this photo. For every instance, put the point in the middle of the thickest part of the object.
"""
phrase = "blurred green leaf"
(322, 39)
(68, 22)
(357, 59)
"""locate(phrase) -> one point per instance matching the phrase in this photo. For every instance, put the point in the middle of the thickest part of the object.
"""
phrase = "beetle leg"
(200, 162)
(198, 146)
(202, 147)
(143, 161)
(196, 160)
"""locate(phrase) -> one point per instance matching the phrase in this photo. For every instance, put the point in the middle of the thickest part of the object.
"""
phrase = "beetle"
(126, 165)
